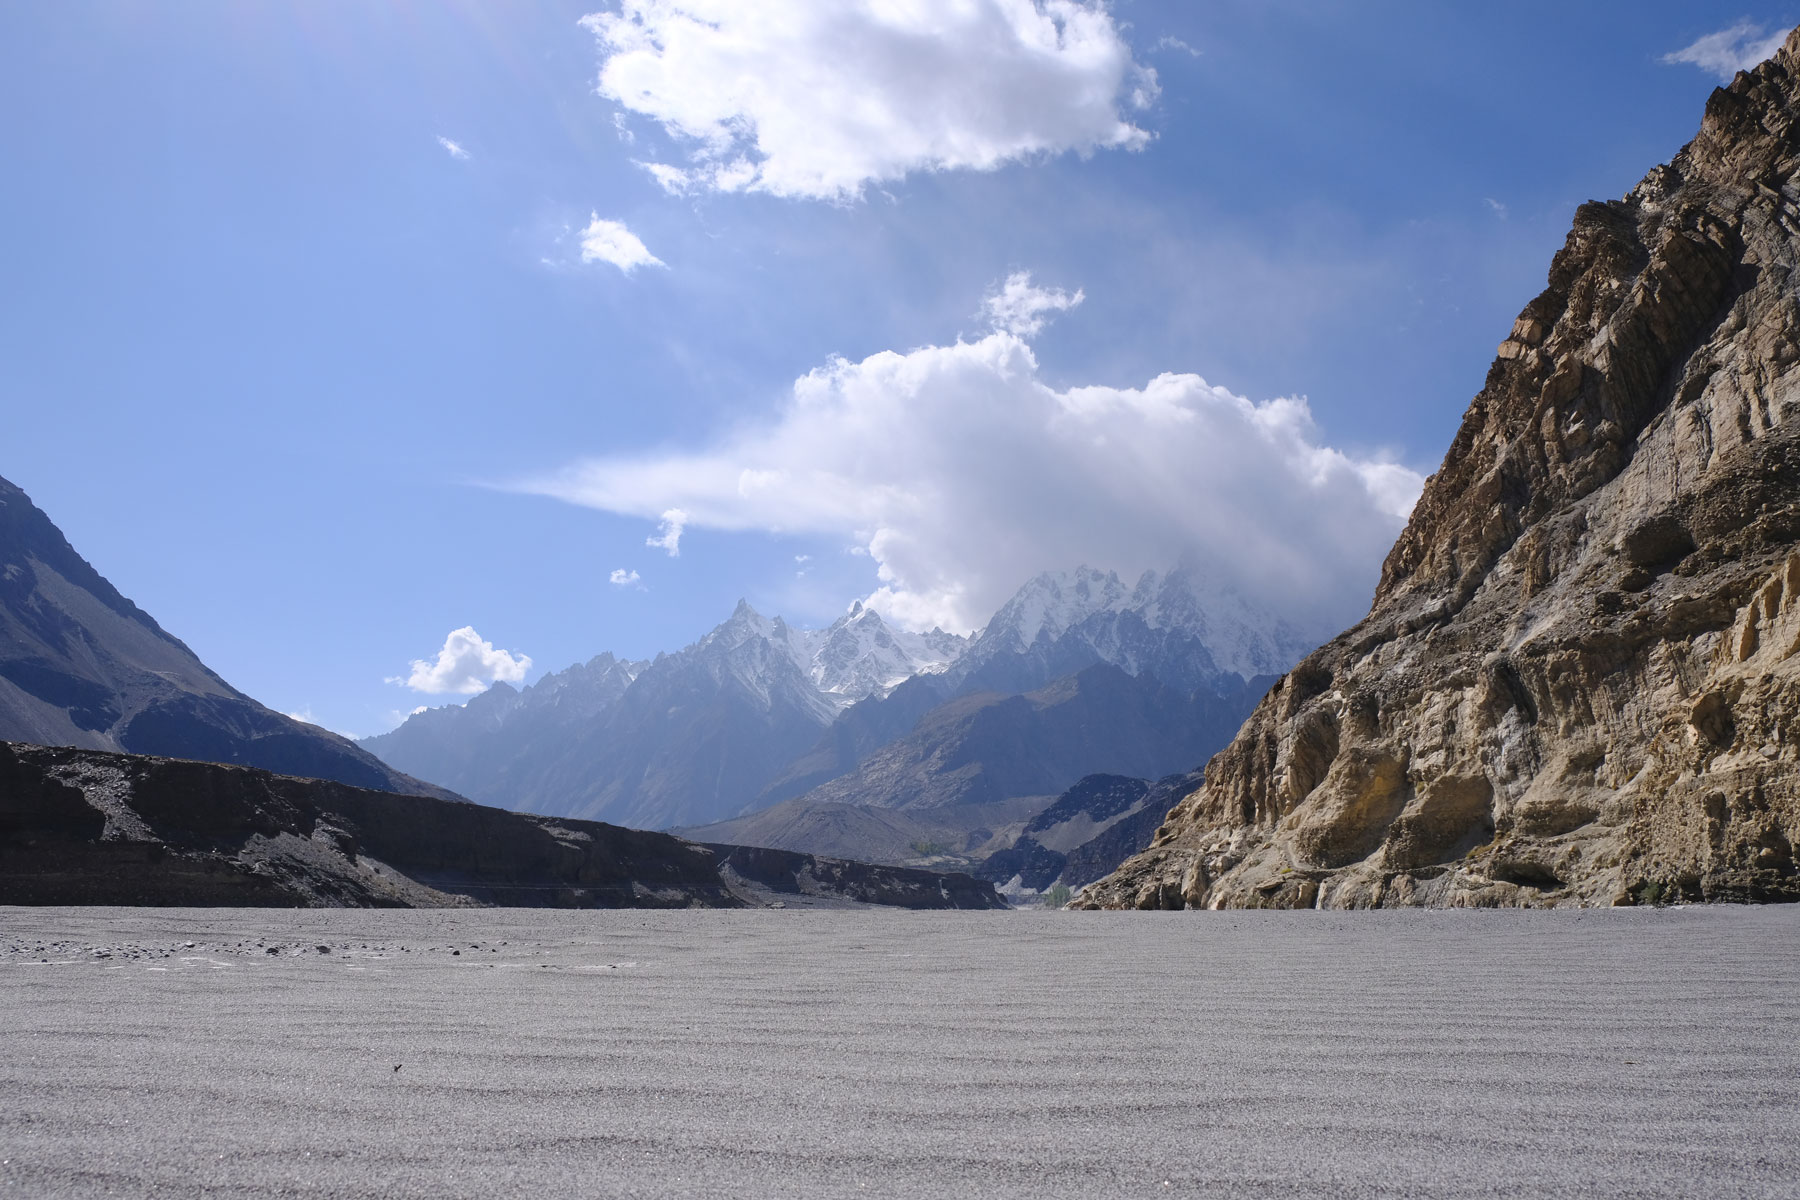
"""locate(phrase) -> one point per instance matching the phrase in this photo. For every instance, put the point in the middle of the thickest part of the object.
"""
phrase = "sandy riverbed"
(512, 1052)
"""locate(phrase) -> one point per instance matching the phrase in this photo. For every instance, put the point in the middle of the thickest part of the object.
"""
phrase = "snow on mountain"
(1242, 636)
(1182, 626)
(1046, 607)
(861, 655)
(697, 734)
(857, 655)
(760, 657)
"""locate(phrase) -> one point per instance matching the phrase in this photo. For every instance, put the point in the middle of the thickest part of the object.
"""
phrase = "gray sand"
(1638, 1053)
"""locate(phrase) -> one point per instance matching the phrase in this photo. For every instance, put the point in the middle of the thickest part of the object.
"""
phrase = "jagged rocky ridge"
(990, 746)
(87, 827)
(1579, 681)
(1084, 835)
(1198, 639)
(959, 786)
(687, 738)
(758, 712)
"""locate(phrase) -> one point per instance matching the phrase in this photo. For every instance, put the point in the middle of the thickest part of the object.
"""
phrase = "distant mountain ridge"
(687, 737)
(1178, 626)
(82, 666)
(987, 746)
(1193, 636)
(758, 711)
(1090, 829)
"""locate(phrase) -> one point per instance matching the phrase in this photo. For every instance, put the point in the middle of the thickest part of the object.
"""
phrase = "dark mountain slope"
(987, 747)
(497, 747)
(1085, 834)
(80, 665)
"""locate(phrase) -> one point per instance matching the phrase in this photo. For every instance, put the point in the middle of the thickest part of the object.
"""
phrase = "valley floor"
(754, 1053)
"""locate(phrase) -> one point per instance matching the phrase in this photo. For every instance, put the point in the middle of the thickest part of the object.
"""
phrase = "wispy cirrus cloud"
(816, 99)
(1728, 51)
(452, 148)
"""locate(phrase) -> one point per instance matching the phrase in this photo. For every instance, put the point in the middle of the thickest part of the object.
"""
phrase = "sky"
(383, 350)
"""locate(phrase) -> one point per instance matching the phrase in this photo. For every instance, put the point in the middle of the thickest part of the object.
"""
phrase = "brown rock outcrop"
(1579, 681)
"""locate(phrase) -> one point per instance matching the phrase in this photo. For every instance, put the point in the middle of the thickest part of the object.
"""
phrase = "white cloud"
(623, 578)
(610, 241)
(1175, 43)
(466, 665)
(455, 150)
(1729, 51)
(1497, 208)
(962, 474)
(817, 98)
(668, 533)
(1019, 308)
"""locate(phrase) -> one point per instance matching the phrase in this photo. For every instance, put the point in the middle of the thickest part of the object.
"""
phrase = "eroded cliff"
(1579, 681)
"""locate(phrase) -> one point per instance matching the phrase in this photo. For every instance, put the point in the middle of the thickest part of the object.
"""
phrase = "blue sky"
(316, 389)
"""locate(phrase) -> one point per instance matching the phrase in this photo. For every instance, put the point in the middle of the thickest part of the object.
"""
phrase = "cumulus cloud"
(817, 98)
(610, 242)
(466, 665)
(668, 533)
(1020, 308)
(623, 578)
(1729, 51)
(455, 150)
(962, 474)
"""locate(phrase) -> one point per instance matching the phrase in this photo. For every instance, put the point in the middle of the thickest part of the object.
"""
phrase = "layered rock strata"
(1579, 682)
(89, 827)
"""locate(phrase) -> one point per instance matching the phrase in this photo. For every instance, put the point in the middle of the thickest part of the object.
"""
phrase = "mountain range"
(130, 773)
(1078, 673)
(914, 749)
(685, 738)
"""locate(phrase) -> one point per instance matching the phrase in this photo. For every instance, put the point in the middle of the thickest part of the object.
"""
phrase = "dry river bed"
(179, 1052)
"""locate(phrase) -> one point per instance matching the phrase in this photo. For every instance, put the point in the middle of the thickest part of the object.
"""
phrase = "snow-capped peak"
(860, 655)
(857, 655)
(1206, 626)
(1050, 605)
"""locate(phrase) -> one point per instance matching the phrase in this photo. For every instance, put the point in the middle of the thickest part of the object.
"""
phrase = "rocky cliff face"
(1580, 678)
